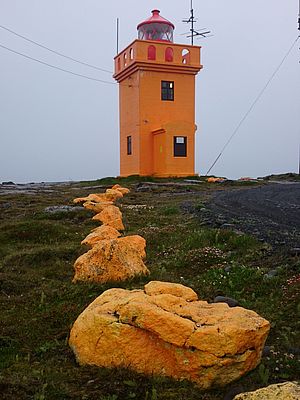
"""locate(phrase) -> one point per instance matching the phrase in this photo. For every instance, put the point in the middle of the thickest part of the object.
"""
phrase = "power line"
(55, 67)
(54, 51)
(253, 105)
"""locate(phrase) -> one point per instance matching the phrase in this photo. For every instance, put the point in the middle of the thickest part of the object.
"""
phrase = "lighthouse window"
(169, 54)
(167, 90)
(151, 53)
(129, 146)
(180, 145)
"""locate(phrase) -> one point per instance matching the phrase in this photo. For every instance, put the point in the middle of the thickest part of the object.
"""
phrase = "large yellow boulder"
(112, 260)
(278, 391)
(165, 330)
(103, 232)
(111, 216)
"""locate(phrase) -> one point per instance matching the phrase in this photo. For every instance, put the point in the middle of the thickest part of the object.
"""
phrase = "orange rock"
(97, 198)
(135, 242)
(113, 195)
(111, 216)
(103, 232)
(277, 391)
(121, 189)
(112, 260)
(156, 331)
(97, 207)
(215, 180)
(176, 289)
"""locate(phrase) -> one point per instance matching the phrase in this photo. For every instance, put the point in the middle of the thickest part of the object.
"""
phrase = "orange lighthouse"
(157, 102)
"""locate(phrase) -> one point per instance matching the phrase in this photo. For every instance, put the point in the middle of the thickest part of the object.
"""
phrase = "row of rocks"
(161, 330)
(111, 257)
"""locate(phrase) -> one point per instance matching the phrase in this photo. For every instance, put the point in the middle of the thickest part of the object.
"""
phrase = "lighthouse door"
(159, 152)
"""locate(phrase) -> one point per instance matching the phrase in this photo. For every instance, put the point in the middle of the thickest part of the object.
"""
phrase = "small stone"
(271, 274)
(294, 350)
(58, 209)
(266, 351)
(227, 226)
(223, 299)
(5, 205)
(295, 251)
(8, 183)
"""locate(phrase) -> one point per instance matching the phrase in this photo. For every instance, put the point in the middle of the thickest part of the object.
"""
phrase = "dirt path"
(270, 212)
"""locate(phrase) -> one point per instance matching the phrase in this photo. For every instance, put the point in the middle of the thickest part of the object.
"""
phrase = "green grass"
(39, 303)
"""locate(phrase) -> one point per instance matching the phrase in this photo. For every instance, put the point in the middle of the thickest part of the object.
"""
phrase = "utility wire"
(55, 67)
(253, 105)
(54, 51)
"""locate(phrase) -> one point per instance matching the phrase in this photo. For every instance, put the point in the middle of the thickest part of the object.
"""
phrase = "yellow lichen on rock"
(113, 194)
(176, 289)
(154, 331)
(110, 216)
(103, 232)
(278, 391)
(112, 260)
(95, 197)
(121, 189)
(97, 207)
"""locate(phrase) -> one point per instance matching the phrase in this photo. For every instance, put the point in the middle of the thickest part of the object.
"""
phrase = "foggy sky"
(56, 127)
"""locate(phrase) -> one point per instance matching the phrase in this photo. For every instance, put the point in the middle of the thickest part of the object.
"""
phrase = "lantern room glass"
(156, 31)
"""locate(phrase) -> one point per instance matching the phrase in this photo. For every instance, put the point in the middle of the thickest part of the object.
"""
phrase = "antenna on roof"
(117, 22)
(193, 32)
(299, 19)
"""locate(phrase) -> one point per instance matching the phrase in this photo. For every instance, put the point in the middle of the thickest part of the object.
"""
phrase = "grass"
(39, 303)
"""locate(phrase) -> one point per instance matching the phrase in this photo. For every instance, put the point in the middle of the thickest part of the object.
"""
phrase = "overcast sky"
(56, 127)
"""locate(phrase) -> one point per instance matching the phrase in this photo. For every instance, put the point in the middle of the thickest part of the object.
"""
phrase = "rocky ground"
(270, 212)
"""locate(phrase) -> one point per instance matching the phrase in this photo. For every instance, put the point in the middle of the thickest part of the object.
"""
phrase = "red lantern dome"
(156, 28)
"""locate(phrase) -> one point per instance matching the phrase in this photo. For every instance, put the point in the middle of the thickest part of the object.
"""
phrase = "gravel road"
(270, 212)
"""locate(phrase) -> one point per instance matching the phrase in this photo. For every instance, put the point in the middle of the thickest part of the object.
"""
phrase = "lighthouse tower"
(157, 102)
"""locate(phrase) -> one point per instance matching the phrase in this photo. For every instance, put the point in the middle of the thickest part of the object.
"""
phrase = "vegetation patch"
(39, 302)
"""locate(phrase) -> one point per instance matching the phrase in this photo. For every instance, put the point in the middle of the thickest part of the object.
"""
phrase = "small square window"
(180, 146)
(167, 90)
(129, 145)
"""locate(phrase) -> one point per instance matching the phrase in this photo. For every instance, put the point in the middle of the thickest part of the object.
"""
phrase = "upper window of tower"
(169, 54)
(151, 52)
(156, 28)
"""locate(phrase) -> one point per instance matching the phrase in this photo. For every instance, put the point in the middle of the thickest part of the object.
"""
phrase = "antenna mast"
(299, 49)
(193, 32)
(118, 35)
(192, 23)
(299, 19)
